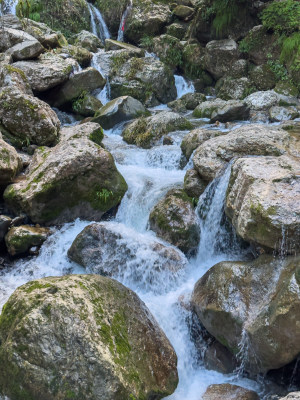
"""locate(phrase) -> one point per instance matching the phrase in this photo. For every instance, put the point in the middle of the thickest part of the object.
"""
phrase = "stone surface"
(10, 76)
(174, 219)
(188, 101)
(20, 239)
(145, 132)
(218, 358)
(80, 54)
(45, 35)
(279, 114)
(27, 118)
(5, 223)
(10, 37)
(108, 249)
(111, 44)
(77, 178)
(264, 319)
(263, 77)
(26, 50)
(87, 326)
(262, 100)
(87, 130)
(183, 12)
(88, 41)
(86, 105)
(211, 156)
(229, 88)
(263, 202)
(233, 110)
(195, 138)
(193, 185)
(226, 391)
(118, 110)
(10, 163)
(48, 71)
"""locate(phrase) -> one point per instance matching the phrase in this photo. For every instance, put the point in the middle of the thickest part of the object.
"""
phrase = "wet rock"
(195, 138)
(174, 220)
(193, 185)
(222, 111)
(10, 163)
(218, 358)
(239, 69)
(118, 110)
(84, 81)
(263, 202)
(11, 21)
(27, 118)
(20, 239)
(233, 89)
(76, 178)
(48, 71)
(111, 44)
(291, 396)
(114, 250)
(211, 156)
(87, 326)
(5, 222)
(279, 114)
(26, 50)
(219, 56)
(86, 105)
(188, 101)
(145, 79)
(145, 132)
(88, 41)
(168, 141)
(226, 391)
(264, 317)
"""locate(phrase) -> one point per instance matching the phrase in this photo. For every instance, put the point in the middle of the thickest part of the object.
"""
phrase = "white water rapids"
(149, 174)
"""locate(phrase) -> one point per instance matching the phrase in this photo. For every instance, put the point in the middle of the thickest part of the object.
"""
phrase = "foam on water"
(183, 86)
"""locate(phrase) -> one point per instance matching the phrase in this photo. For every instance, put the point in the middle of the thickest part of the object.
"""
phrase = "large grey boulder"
(108, 249)
(28, 119)
(262, 325)
(76, 178)
(195, 138)
(222, 111)
(10, 163)
(11, 76)
(88, 41)
(83, 326)
(211, 156)
(26, 50)
(135, 51)
(10, 37)
(45, 35)
(48, 71)
(262, 100)
(118, 110)
(263, 202)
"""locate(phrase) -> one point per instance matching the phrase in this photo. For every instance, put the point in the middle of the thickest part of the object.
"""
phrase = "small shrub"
(282, 17)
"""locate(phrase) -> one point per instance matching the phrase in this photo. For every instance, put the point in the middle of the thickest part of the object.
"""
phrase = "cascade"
(183, 86)
(104, 94)
(123, 22)
(99, 26)
(8, 7)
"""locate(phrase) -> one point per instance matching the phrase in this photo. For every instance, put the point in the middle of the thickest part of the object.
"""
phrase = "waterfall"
(8, 7)
(123, 22)
(99, 26)
(183, 86)
(104, 94)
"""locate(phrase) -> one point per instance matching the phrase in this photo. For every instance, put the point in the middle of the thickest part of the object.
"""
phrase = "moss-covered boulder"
(146, 131)
(262, 325)
(227, 391)
(222, 111)
(67, 16)
(177, 29)
(78, 53)
(109, 249)
(118, 110)
(28, 119)
(229, 88)
(263, 202)
(20, 239)
(214, 154)
(88, 130)
(86, 105)
(111, 44)
(112, 11)
(193, 64)
(27, 50)
(88, 41)
(279, 114)
(174, 220)
(263, 77)
(11, 76)
(49, 38)
(169, 50)
(77, 178)
(188, 101)
(183, 12)
(92, 327)
(10, 163)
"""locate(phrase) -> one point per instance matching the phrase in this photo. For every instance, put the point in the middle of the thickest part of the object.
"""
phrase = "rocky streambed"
(163, 229)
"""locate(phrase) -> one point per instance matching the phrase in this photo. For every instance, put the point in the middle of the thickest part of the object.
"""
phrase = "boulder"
(45, 35)
(11, 76)
(174, 219)
(263, 202)
(222, 111)
(84, 326)
(183, 12)
(188, 101)
(20, 239)
(226, 391)
(193, 185)
(145, 79)
(263, 77)
(214, 154)
(169, 50)
(86, 105)
(88, 41)
(218, 358)
(10, 37)
(111, 249)
(88, 130)
(27, 118)
(145, 132)
(193, 65)
(10, 20)
(177, 29)
(219, 56)
(279, 114)
(85, 81)
(111, 44)
(229, 88)
(77, 178)
(5, 223)
(118, 110)
(48, 71)
(10, 163)
(81, 55)
(263, 100)
(26, 50)
(291, 396)
(262, 325)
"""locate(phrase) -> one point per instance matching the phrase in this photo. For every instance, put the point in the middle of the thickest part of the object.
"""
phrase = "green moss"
(282, 16)
(97, 136)
(30, 287)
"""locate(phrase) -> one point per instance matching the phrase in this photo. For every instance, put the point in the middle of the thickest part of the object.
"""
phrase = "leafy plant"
(282, 17)
(104, 195)
(278, 69)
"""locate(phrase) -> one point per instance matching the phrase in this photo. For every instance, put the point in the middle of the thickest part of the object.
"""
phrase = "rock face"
(21, 238)
(222, 111)
(28, 118)
(26, 50)
(263, 202)
(48, 71)
(10, 76)
(118, 110)
(193, 185)
(227, 391)
(254, 306)
(97, 329)
(174, 220)
(145, 132)
(213, 155)
(10, 163)
(77, 178)
(108, 250)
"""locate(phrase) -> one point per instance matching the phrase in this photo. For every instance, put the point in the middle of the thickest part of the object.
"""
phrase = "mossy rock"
(98, 327)
(21, 238)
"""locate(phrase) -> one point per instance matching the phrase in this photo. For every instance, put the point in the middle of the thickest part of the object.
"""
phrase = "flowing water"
(99, 26)
(8, 7)
(183, 86)
(123, 22)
